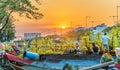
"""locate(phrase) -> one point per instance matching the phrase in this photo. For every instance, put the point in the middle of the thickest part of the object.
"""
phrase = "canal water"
(60, 64)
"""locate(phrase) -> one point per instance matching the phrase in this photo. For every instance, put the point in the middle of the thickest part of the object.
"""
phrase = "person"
(29, 43)
(77, 49)
(16, 49)
(105, 40)
(95, 49)
(77, 42)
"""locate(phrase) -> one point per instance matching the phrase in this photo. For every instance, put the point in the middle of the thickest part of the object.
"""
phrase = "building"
(79, 29)
(31, 35)
(98, 28)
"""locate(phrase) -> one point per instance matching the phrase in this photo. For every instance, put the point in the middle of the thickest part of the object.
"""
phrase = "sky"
(68, 13)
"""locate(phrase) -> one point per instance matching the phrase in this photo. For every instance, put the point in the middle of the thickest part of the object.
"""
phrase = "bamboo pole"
(98, 66)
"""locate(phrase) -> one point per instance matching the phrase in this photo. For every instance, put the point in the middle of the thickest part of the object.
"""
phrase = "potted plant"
(106, 57)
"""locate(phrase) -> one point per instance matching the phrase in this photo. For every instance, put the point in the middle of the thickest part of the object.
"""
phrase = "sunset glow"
(63, 27)
(58, 12)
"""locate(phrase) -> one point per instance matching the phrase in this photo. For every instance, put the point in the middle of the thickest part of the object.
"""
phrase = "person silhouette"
(105, 40)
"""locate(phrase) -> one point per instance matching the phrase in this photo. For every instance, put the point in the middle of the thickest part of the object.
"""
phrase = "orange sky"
(63, 12)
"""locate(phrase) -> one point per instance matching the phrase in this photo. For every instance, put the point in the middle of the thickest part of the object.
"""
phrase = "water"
(59, 65)
(49, 65)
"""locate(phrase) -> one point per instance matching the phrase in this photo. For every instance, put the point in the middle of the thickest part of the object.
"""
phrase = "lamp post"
(117, 13)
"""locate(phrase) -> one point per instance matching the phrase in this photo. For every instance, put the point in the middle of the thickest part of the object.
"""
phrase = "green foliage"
(115, 38)
(8, 33)
(23, 7)
(8, 47)
(70, 67)
(76, 68)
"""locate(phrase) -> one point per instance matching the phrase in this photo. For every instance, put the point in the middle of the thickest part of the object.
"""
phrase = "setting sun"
(63, 27)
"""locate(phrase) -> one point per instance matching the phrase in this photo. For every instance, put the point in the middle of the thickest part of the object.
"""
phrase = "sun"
(63, 27)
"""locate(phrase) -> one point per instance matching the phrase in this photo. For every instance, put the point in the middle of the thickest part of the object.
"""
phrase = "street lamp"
(117, 13)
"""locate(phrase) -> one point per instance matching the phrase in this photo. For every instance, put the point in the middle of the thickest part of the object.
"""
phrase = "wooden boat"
(17, 63)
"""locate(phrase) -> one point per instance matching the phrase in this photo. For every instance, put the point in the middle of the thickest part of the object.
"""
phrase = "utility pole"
(86, 20)
(117, 13)
(92, 22)
(113, 19)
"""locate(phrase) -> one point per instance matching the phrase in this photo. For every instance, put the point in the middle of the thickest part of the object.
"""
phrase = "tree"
(8, 33)
(23, 7)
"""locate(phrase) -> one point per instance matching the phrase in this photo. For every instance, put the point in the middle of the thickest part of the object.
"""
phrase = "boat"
(17, 63)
